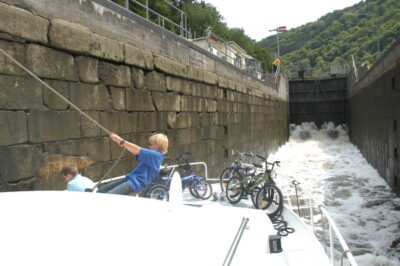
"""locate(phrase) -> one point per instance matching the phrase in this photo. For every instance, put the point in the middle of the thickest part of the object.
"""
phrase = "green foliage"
(200, 16)
(337, 36)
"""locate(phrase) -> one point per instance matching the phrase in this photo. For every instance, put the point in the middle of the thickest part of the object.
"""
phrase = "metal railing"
(317, 72)
(251, 66)
(170, 168)
(326, 221)
(182, 26)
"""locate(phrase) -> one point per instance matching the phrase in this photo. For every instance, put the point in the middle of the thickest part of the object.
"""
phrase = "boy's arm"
(131, 147)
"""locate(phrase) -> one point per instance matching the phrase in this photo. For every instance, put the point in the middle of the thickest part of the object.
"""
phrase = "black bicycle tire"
(193, 191)
(266, 206)
(158, 190)
(221, 178)
(237, 177)
(208, 190)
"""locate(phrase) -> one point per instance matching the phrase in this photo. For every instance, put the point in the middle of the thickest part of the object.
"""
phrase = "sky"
(257, 17)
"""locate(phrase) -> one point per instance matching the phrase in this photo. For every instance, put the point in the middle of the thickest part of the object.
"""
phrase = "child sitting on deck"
(148, 168)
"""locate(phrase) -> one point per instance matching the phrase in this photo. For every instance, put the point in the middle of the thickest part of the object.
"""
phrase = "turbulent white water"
(358, 199)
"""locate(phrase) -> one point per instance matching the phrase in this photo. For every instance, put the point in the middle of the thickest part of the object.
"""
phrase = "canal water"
(364, 208)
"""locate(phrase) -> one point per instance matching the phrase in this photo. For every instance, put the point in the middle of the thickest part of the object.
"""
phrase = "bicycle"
(197, 185)
(264, 194)
(237, 165)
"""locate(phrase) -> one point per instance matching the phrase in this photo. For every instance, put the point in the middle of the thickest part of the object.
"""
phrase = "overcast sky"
(257, 17)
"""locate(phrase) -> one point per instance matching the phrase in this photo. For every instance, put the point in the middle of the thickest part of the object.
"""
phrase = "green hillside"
(355, 31)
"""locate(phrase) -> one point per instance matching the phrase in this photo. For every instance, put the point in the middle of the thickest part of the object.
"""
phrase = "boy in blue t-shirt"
(149, 165)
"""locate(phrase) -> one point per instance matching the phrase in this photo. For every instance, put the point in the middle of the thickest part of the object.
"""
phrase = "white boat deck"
(75, 228)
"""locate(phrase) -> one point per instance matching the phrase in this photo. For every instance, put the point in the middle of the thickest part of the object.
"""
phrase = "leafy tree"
(200, 16)
(335, 37)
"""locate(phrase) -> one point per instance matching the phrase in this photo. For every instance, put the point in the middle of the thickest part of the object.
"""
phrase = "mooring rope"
(53, 90)
(71, 104)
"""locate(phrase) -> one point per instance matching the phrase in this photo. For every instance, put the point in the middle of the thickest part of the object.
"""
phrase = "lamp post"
(376, 25)
(278, 30)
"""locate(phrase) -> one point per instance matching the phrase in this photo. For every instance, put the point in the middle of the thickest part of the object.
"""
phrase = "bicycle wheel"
(158, 192)
(193, 192)
(224, 178)
(270, 199)
(254, 193)
(234, 188)
(203, 189)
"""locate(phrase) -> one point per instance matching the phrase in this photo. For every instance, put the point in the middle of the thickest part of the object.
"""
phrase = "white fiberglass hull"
(75, 228)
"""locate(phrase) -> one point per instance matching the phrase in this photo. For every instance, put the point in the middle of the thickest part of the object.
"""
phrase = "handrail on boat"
(332, 226)
(173, 167)
(236, 241)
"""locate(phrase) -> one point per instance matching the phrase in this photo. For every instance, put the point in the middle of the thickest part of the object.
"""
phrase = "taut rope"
(71, 104)
(53, 90)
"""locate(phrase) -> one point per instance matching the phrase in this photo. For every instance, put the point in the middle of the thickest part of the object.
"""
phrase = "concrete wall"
(131, 76)
(374, 116)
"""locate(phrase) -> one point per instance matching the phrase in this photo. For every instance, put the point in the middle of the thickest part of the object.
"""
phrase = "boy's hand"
(117, 139)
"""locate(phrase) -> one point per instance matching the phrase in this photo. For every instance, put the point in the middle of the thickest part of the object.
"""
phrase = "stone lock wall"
(134, 78)
(374, 116)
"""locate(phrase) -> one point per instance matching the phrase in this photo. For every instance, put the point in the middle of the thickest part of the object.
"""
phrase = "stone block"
(77, 38)
(231, 84)
(210, 91)
(89, 96)
(174, 48)
(21, 23)
(14, 129)
(138, 57)
(138, 78)
(169, 66)
(188, 136)
(87, 69)
(133, 118)
(118, 98)
(174, 84)
(88, 128)
(50, 63)
(16, 51)
(95, 149)
(195, 73)
(51, 126)
(210, 78)
(190, 88)
(155, 81)
(179, 120)
(117, 122)
(211, 105)
(139, 100)
(222, 106)
(18, 93)
(208, 133)
(199, 90)
(193, 104)
(204, 119)
(53, 101)
(115, 75)
(152, 121)
(222, 82)
(21, 161)
(167, 101)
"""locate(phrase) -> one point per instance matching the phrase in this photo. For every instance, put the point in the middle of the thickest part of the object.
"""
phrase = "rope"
(56, 92)
(281, 226)
(108, 172)
(71, 104)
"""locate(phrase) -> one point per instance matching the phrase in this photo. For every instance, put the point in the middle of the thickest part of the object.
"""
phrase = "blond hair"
(162, 142)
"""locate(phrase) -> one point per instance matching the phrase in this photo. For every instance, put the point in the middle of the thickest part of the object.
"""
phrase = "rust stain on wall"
(53, 163)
